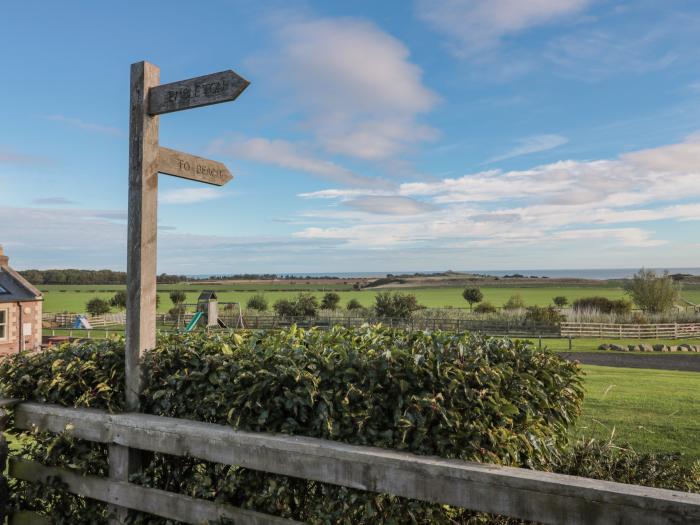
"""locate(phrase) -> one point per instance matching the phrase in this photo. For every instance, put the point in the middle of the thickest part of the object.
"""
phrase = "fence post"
(569, 343)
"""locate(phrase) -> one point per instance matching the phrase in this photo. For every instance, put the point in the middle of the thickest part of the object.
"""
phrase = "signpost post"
(146, 159)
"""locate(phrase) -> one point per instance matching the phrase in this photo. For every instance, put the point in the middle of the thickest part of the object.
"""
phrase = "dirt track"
(684, 362)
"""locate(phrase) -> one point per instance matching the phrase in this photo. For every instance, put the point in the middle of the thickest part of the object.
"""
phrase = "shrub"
(472, 295)
(485, 308)
(354, 304)
(257, 302)
(395, 306)
(544, 314)
(284, 308)
(303, 305)
(652, 293)
(560, 301)
(178, 297)
(97, 306)
(603, 305)
(455, 396)
(515, 302)
(330, 301)
(118, 300)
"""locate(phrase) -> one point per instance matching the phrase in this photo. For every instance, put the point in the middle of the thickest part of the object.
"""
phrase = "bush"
(454, 396)
(544, 314)
(97, 306)
(485, 308)
(603, 305)
(304, 305)
(354, 304)
(178, 297)
(652, 293)
(472, 295)
(330, 301)
(257, 302)
(560, 301)
(119, 300)
(395, 306)
(515, 302)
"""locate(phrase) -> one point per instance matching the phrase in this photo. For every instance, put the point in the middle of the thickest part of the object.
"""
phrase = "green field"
(65, 298)
(652, 410)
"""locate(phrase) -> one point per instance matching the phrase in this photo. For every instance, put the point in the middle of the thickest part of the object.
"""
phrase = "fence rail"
(519, 493)
(631, 331)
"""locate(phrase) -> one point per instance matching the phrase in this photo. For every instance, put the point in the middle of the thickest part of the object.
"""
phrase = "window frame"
(6, 323)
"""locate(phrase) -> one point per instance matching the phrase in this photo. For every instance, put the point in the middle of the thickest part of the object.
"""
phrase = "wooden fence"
(631, 331)
(542, 497)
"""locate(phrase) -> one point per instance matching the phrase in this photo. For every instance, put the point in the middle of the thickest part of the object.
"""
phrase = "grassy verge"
(652, 410)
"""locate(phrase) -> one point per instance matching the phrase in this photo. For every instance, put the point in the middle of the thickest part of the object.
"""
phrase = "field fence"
(631, 331)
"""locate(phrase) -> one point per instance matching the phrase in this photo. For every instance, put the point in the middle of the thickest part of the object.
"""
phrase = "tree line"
(73, 276)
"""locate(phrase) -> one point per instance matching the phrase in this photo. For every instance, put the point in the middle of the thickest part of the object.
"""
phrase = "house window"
(4, 316)
(3, 290)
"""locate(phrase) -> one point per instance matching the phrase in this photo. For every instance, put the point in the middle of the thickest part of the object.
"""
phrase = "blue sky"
(375, 136)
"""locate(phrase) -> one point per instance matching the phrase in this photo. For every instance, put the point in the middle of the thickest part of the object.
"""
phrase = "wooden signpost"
(146, 159)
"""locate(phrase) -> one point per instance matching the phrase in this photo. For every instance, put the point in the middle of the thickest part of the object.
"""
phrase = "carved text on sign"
(195, 92)
(186, 166)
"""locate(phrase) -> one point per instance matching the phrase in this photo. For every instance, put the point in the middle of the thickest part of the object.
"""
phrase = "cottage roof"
(14, 287)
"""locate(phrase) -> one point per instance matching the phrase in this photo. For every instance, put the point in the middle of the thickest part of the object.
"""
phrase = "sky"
(410, 135)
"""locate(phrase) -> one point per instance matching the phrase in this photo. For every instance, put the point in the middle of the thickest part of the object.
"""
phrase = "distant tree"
(472, 295)
(515, 302)
(485, 308)
(560, 301)
(330, 301)
(97, 306)
(178, 297)
(653, 293)
(257, 302)
(353, 304)
(397, 305)
(119, 300)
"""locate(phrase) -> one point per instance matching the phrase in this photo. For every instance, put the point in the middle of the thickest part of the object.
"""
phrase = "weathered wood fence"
(631, 331)
(520, 493)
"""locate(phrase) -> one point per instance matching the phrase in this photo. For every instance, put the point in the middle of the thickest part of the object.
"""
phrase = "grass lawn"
(652, 410)
(73, 298)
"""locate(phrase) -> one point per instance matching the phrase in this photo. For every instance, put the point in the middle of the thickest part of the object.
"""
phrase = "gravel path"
(685, 362)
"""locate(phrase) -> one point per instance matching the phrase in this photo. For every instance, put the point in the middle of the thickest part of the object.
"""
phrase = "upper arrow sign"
(196, 92)
(183, 165)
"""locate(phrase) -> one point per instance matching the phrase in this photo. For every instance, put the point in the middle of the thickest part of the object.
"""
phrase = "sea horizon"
(573, 273)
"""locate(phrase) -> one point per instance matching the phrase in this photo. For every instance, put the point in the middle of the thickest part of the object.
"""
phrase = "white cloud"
(475, 26)
(355, 84)
(388, 205)
(189, 195)
(533, 144)
(563, 202)
(288, 155)
(88, 126)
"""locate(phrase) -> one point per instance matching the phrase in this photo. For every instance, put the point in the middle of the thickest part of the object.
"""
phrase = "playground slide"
(221, 323)
(193, 322)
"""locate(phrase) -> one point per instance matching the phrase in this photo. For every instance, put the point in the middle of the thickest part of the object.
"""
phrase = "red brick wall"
(30, 315)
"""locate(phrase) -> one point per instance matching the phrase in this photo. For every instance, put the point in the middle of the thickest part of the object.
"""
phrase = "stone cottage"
(20, 311)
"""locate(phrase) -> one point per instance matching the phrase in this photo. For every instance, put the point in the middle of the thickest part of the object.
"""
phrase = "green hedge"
(455, 396)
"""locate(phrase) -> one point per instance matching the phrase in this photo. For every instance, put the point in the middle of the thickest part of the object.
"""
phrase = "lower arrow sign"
(183, 165)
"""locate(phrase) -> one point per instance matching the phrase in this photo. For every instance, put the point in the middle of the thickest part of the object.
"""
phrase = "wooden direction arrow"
(179, 164)
(195, 92)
